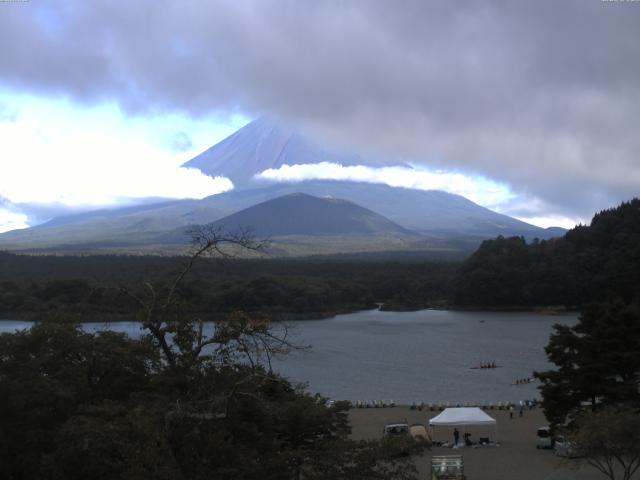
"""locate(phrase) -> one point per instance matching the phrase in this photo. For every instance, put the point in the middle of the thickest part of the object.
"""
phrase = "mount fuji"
(265, 144)
(434, 216)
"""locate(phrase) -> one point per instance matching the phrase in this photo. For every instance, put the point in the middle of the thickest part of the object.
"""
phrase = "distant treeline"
(95, 287)
(590, 263)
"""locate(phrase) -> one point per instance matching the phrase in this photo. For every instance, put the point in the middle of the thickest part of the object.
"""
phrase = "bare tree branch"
(183, 341)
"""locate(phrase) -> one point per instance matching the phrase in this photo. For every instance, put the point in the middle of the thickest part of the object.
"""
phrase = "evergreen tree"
(598, 361)
(590, 263)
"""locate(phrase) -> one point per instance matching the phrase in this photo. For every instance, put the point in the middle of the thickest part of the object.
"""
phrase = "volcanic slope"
(302, 214)
(265, 144)
(301, 224)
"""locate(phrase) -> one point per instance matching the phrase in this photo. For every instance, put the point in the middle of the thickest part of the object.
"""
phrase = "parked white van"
(545, 440)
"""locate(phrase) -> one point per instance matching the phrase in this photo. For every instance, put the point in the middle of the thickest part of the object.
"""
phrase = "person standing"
(456, 436)
(511, 409)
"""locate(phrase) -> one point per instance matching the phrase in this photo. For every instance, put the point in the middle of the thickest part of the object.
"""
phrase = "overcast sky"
(101, 101)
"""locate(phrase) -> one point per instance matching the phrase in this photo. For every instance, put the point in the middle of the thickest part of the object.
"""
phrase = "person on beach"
(456, 436)
(520, 409)
(511, 409)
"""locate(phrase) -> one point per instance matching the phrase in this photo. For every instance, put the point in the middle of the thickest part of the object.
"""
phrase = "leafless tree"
(609, 440)
(184, 342)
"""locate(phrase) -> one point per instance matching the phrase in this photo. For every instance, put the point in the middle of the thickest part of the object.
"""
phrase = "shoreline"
(558, 310)
(516, 457)
(121, 318)
(292, 316)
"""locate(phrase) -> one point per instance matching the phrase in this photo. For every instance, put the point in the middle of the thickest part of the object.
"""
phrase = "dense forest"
(93, 287)
(589, 263)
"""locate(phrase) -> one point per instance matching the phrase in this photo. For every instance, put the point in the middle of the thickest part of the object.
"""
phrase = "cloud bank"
(542, 96)
(55, 166)
(482, 191)
(11, 217)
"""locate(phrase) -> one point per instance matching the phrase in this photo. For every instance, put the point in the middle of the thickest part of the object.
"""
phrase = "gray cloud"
(32, 213)
(181, 142)
(541, 95)
(11, 217)
(6, 204)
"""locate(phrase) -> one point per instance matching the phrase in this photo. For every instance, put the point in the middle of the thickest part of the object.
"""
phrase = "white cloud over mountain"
(482, 191)
(11, 217)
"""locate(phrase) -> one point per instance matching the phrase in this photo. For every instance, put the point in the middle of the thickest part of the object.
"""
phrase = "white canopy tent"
(463, 417)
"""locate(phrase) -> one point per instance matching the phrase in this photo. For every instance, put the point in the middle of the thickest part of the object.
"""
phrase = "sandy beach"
(516, 457)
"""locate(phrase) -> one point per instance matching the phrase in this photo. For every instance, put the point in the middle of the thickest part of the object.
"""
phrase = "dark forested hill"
(588, 263)
(302, 214)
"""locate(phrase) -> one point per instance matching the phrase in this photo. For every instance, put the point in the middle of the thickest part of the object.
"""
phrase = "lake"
(410, 356)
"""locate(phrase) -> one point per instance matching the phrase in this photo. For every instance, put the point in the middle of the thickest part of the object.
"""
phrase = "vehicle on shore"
(394, 428)
(545, 439)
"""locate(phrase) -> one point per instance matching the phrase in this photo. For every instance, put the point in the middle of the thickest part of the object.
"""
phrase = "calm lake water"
(409, 356)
